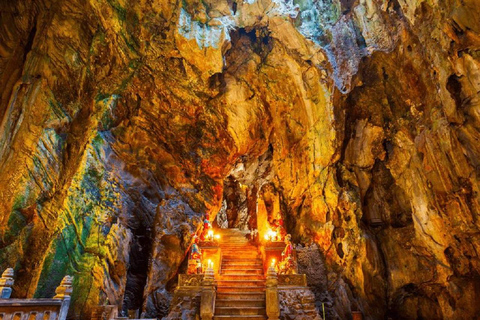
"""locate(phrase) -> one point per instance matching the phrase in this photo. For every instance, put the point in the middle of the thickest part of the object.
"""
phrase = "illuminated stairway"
(241, 284)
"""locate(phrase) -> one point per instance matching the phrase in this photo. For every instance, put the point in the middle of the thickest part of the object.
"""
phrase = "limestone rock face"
(120, 122)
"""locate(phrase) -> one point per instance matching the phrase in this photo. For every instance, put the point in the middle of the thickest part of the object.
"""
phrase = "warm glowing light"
(271, 235)
(217, 236)
(273, 262)
(210, 234)
(210, 264)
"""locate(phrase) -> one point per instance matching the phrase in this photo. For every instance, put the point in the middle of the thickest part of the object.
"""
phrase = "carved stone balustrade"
(297, 301)
(271, 292)
(45, 309)
(6, 284)
(189, 280)
(288, 280)
(207, 302)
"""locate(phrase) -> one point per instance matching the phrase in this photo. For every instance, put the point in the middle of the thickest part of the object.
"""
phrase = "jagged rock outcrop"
(120, 121)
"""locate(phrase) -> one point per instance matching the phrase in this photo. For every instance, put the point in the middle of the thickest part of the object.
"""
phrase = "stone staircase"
(241, 283)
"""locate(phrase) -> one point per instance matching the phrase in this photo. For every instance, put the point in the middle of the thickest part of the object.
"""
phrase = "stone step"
(241, 269)
(236, 233)
(239, 276)
(242, 317)
(230, 267)
(232, 232)
(240, 254)
(245, 271)
(237, 311)
(238, 303)
(239, 265)
(236, 295)
(239, 247)
(241, 283)
(242, 257)
(230, 288)
(242, 260)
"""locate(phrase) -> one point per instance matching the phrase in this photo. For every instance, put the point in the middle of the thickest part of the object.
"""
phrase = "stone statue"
(195, 260)
(287, 264)
(207, 226)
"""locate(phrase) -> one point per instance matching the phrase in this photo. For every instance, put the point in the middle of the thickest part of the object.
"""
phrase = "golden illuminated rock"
(121, 120)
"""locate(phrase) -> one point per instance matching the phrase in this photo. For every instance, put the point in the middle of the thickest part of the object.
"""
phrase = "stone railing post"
(63, 292)
(6, 284)
(207, 302)
(272, 303)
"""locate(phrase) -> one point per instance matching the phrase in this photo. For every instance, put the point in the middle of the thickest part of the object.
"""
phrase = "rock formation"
(120, 122)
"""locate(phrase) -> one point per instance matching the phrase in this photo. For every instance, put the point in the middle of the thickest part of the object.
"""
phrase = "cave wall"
(120, 121)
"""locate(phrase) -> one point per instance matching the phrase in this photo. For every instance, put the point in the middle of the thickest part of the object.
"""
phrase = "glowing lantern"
(210, 234)
(217, 236)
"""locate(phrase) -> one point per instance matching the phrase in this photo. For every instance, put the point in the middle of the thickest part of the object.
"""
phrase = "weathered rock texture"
(120, 121)
(185, 305)
(297, 304)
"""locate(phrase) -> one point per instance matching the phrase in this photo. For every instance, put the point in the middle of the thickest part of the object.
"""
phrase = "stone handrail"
(47, 309)
(271, 295)
(207, 300)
